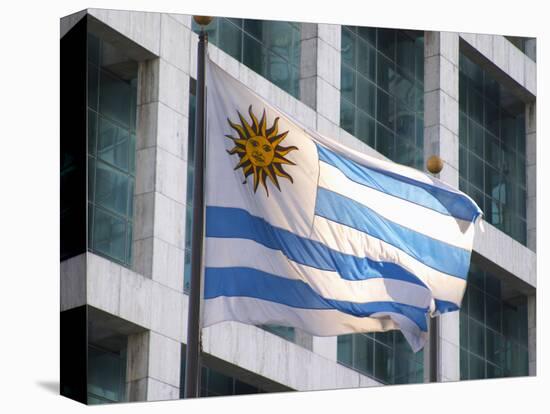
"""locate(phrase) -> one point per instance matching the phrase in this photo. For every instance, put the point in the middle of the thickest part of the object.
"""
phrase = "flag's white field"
(304, 232)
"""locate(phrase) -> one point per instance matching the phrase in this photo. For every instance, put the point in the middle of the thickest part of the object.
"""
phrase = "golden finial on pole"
(203, 20)
(434, 164)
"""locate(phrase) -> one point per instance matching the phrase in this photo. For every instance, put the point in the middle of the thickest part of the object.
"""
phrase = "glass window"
(112, 145)
(93, 86)
(477, 367)
(386, 110)
(405, 124)
(493, 329)
(477, 337)
(94, 45)
(476, 137)
(114, 98)
(492, 151)
(368, 34)
(419, 59)
(419, 139)
(365, 128)
(242, 388)
(106, 375)
(129, 234)
(409, 367)
(254, 55)
(91, 178)
(492, 117)
(347, 116)
(383, 362)
(495, 347)
(254, 27)
(348, 47)
(382, 75)
(384, 356)
(385, 72)
(230, 40)
(284, 332)
(366, 60)
(111, 149)
(386, 42)
(476, 303)
(405, 49)
(344, 349)
(385, 141)
(348, 84)
(109, 235)
(464, 368)
(270, 48)
(492, 144)
(493, 313)
(219, 384)
(493, 371)
(363, 351)
(111, 189)
(475, 171)
(92, 132)
(216, 383)
(132, 152)
(402, 86)
(366, 96)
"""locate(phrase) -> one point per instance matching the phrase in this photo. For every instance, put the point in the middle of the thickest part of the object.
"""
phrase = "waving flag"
(304, 232)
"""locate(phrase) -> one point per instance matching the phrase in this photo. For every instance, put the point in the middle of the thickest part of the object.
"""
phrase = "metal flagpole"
(434, 164)
(433, 349)
(192, 358)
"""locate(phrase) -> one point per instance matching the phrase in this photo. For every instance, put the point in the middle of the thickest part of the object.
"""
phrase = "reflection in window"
(215, 383)
(284, 332)
(382, 95)
(526, 44)
(270, 48)
(384, 356)
(493, 329)
(106, 375)
(492, 149)
(111, 150)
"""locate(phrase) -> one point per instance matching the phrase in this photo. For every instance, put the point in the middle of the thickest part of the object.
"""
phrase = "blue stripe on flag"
(253, 283)
(434, 253)
(229, 222)
(429, 196)
(445, 306)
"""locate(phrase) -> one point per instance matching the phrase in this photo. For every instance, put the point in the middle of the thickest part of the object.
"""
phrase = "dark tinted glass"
(492, 131)
(112, 148)
(270, 48)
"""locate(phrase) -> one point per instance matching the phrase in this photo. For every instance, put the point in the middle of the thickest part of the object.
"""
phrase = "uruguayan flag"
(304, 232)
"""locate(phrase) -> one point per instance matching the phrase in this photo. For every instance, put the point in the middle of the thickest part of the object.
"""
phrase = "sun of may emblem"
(259, 150)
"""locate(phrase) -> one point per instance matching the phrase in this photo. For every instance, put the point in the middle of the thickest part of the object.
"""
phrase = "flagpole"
(434, 164)
(192, 358)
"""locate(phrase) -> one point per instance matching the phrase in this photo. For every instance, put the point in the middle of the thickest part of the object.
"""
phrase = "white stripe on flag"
(325, 322)
(353, 242)
(329, 285)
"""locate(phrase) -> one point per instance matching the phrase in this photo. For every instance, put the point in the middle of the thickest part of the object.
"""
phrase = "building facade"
(127, 127)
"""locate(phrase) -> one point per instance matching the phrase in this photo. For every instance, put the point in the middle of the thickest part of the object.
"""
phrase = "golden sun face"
(259, 150)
